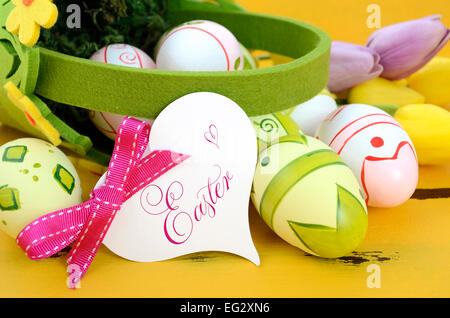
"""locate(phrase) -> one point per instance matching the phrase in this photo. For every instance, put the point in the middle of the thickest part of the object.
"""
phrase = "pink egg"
(377, 149)
(124, 55)
(199, 46)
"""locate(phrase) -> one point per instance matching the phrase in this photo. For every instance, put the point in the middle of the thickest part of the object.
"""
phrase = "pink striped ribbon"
(88, 223)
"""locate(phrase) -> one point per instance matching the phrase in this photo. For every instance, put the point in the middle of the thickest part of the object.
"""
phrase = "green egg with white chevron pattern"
(36, 178)
(309, 197)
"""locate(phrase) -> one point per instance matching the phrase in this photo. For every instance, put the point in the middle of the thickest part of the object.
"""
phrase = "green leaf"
(390, 109)
(10, 60)
(225, 5)
(237, 63)
(5, 8)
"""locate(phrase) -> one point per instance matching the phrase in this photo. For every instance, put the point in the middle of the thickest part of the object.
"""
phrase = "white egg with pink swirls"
(199, 46)
(123, 55)
(377, 149)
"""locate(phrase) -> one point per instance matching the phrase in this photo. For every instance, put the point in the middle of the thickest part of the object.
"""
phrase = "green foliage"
(136, 22)
(78, 119)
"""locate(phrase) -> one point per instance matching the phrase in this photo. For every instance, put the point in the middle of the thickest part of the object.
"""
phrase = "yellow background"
(410, 244)
(346, 20)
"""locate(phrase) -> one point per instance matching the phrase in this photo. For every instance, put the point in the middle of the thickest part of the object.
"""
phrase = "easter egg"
(249, 61)
(377, 149)
(309, 197)
(124, 55)
(199, 46)
(310, 114)
(109, 123)
(36, 178)
(270, 128)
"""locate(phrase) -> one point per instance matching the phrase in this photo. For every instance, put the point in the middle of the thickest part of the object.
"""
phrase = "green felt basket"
(45, 75)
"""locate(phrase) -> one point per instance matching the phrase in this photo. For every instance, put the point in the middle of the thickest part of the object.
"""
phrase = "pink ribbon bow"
(88, 223)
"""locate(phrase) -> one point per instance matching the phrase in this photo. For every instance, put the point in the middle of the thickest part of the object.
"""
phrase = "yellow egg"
(380, 91)
(36, 178)
(433, 81)
(308, 196)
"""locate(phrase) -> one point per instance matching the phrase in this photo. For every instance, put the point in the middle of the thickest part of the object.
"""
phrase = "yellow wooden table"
(406, 252)
(409, 245)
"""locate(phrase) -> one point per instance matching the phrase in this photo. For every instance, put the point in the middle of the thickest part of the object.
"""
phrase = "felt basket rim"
(271, 89)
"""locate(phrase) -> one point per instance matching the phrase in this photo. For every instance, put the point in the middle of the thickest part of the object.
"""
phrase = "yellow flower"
(429, 128)
(32, 113)
(433, 81)
(381, 91)
(27, 18)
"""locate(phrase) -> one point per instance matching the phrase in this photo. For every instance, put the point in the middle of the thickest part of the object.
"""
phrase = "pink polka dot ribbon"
(87, 224)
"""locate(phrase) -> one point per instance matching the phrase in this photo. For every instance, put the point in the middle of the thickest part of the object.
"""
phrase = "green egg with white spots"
(309, 197)
(36, 178)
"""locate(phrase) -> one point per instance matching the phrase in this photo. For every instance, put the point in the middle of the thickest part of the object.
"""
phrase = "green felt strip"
(98, 157)
(145, 93)
(224, 5)
(20, 65)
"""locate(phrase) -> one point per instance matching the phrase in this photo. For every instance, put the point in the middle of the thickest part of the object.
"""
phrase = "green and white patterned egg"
(309, 197)
(270, 128)
(36, 178)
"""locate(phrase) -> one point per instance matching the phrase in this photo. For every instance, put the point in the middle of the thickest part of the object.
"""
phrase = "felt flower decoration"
(27, 18)
(32, 113)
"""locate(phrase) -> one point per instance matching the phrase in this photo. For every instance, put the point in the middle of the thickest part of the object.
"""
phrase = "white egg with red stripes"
(199, 45)
(377, 149)
(123, 55)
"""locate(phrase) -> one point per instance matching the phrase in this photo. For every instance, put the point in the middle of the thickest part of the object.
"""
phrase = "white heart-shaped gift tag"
(201, 204)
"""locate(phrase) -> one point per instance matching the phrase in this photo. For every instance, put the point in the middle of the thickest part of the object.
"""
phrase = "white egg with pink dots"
(124, 55)
(199, 46)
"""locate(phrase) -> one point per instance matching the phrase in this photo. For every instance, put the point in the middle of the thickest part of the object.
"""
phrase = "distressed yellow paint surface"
(410, 243)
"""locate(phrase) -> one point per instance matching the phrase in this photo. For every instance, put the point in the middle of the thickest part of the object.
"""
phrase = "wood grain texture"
(410, 243)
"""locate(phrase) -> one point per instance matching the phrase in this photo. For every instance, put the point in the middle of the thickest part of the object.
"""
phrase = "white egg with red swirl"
(199, 45)
(124, 55)
(377, 149)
